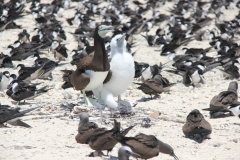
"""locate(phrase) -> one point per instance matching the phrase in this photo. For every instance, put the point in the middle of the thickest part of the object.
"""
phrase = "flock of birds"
(107, 68)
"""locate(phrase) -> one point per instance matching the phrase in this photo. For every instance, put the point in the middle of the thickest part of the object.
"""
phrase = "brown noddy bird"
(196, 126)
(101, 138)
(92, 70)
(219, 104)
(151, 86)
(85, 129)
(9, 114)
(147, 146)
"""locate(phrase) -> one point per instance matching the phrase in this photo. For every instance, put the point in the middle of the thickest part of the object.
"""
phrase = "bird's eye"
(117, 39)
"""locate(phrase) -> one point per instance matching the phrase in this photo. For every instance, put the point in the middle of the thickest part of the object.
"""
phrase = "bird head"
(103, 30)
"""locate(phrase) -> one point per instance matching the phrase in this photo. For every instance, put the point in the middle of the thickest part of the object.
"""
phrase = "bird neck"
(100, 58)
(121, 50)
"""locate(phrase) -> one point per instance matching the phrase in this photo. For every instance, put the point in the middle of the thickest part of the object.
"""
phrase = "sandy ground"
(53, 138)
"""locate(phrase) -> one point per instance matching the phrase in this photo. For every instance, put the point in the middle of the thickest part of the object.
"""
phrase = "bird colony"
(116, 79)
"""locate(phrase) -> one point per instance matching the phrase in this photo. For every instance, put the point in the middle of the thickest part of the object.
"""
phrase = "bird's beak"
(175, 157)
(107, 28)
(136, 155)
(120, 40)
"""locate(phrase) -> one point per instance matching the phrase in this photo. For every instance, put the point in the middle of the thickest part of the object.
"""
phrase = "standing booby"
(92, 70)
(122, 69)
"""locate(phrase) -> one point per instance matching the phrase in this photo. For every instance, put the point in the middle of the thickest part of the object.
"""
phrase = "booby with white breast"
(122, 70)
(92, 70)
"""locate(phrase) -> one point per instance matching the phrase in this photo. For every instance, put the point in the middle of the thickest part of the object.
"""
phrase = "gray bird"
(125, 152)
(196, 126)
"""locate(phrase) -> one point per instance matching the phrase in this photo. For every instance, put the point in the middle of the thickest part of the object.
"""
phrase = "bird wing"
(148, 140)
(226, 97)
(79, 79)
(6, 112)
(109, 75)
(199, 130)
(154, 86)
(84, 62)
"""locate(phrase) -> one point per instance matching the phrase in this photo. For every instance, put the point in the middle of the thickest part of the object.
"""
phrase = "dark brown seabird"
(85, 129)
(196, 126)
(219, 104)
(151, 86)
(147, 146)
(100, 139)
(92, 70)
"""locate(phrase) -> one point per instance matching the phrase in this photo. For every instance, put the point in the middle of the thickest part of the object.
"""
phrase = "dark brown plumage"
(144, 145)
(85, 129)
(151, 86)
(100, 140)
(220, 103)
(97, 63)
(196, 126)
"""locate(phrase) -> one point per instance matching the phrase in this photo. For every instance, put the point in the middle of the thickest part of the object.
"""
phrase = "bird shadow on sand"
(3, 126)
(22, 103)
(145, 99)
(197, 138)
